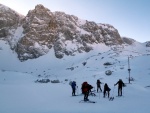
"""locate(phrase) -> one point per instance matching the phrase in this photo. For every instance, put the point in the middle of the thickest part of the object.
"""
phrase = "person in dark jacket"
(106, 89)
(98, 85)
(120, 85)
(73, 85)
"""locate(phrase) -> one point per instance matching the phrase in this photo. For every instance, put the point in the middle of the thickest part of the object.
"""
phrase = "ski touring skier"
(99, 85)
(120, 85)
(86, 88)
(106, 90)
(73, 86)
(85, 91)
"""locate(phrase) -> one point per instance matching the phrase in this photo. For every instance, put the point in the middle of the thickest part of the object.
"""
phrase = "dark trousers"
(98, 87)
(106, 92)
(86, 94)
(73, 91)
(120, 91)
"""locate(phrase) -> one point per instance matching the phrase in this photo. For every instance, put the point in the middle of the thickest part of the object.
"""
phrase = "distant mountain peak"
(40, 7)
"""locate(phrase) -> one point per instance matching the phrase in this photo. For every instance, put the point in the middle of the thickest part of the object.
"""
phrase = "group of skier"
(107, 89)
(86, 88)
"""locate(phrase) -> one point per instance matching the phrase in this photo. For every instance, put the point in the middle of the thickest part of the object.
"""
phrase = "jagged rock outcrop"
(128, 41)
(8, 18)
(148, 44)
(38, 33)
(42, 30)
(9, 21)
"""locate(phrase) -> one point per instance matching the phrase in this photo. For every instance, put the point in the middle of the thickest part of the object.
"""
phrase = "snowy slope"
(20, 94)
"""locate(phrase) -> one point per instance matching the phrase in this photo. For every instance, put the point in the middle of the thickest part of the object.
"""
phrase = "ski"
(75, 95)
(111, 98)
(88, 101)
(119, 96)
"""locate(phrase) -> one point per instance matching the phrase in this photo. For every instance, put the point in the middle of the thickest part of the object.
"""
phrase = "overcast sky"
(130, 17)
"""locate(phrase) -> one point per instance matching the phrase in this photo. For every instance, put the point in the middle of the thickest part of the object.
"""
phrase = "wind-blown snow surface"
(20, 94)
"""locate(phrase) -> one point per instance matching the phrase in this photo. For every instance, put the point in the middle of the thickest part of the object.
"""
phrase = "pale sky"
(130, 17)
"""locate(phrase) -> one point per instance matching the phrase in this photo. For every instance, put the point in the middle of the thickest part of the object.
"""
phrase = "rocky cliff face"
(9, 22)
(38, 33)
(148, 44)
(128, 41)
(41, 30)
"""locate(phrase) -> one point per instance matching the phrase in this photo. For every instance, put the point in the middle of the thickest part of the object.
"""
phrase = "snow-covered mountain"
(40, 30)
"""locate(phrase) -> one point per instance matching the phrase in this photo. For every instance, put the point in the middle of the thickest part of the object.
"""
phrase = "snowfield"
(19, 93)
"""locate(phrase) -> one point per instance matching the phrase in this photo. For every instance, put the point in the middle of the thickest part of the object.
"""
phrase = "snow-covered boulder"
(108, 72)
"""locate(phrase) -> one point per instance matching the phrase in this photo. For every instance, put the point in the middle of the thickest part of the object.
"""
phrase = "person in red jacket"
(86, 88)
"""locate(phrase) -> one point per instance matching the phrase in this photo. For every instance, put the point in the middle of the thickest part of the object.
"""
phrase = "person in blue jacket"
(73, 85)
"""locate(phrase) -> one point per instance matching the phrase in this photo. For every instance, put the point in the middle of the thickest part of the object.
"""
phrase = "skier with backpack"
(106, 89)
(73, 86)
(86, 88)
(120, 85)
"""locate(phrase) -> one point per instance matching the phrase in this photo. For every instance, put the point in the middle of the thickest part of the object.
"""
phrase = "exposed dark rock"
(84, 63)
(42, 81)
(107, 63)
(55, 81)
(128, 41)
(148, 44)
(71, 68)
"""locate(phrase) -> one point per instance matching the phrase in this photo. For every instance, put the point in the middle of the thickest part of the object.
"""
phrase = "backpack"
(84, 87)
(90, 87)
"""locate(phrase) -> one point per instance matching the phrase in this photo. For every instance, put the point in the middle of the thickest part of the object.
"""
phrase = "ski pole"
(123, 91)
(99, 94)
(77, 90)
